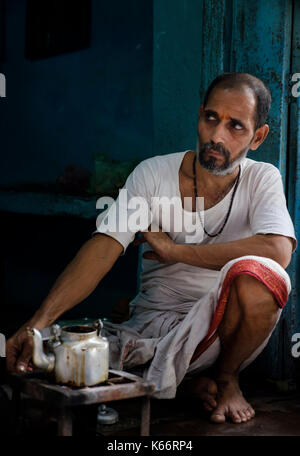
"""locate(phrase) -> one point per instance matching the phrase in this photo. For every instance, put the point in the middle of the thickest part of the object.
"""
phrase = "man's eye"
(237, 126)
(210, 117)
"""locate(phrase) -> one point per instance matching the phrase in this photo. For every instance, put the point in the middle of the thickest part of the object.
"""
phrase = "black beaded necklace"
(231, 201)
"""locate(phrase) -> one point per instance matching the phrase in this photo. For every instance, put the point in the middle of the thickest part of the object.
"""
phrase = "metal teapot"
(77, 355)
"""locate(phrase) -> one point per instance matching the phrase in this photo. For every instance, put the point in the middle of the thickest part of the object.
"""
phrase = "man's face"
(226, 129)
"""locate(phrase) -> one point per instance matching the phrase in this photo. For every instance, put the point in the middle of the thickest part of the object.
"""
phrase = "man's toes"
(212, 388)
(248, 413)
(207, 407)
(218, 417)
(243, 416)
(209, 400)
(235, 416)
(252, 412)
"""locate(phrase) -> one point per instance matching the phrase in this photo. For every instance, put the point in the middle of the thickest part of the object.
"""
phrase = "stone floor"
(277, 414)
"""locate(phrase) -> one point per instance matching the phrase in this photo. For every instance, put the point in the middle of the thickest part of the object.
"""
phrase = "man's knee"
(254, 298)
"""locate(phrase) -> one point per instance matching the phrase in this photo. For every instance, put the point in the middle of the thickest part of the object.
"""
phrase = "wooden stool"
(120, 385)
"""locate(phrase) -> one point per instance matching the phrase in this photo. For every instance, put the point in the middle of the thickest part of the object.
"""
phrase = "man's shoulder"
(258, 168)
(159, 164)
(159, 159)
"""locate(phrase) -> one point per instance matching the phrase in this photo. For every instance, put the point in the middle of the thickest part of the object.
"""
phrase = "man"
(212, 303)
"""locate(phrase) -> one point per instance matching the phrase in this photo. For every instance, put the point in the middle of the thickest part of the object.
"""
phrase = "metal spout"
(40, 359)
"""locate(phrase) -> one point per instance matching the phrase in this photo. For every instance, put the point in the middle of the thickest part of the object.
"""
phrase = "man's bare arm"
(215, 256)
(92, 262)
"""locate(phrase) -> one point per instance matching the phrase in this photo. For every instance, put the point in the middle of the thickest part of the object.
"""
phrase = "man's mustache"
(217, 147)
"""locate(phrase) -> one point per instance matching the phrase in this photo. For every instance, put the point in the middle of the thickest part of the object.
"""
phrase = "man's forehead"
(238, 103)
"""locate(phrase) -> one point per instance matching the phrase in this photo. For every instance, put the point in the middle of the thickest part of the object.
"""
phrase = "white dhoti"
(170, 342)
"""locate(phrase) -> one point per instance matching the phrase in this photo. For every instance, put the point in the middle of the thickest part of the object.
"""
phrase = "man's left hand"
(162, 244)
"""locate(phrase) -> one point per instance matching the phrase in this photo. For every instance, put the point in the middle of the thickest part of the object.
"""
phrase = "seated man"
(208, 301)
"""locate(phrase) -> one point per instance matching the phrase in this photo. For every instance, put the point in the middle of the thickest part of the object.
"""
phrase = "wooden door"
(263, 38)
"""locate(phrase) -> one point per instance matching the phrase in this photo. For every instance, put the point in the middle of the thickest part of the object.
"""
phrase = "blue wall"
(61, 110)
(262, 38)
(177, 62)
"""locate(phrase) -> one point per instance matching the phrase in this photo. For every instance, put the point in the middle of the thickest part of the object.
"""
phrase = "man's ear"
(260, 135)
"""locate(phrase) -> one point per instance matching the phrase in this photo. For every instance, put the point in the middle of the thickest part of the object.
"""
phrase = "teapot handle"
(55, 332)
(54, 340)
(98, 325)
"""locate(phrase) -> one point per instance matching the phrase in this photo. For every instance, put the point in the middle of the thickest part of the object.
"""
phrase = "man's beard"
(211, 165)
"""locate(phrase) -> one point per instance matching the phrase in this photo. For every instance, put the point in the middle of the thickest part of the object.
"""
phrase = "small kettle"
(77, 355)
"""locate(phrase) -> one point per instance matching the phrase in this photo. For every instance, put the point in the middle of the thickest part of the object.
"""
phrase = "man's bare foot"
(231, 402)
(203, 388)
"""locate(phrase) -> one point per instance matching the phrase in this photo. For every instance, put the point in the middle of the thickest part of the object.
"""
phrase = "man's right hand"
(19, 351)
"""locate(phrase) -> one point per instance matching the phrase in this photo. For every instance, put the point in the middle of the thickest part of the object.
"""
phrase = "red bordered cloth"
(273, 281)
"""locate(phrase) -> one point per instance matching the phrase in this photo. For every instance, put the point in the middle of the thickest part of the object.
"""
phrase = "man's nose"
(218, 134)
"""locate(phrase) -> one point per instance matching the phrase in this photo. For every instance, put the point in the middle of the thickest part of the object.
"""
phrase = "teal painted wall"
(262, 38)
(177, 62)
(63, 109)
